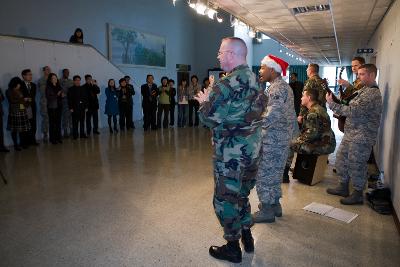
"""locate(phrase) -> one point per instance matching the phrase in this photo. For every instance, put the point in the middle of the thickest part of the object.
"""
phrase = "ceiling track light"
(204, 7)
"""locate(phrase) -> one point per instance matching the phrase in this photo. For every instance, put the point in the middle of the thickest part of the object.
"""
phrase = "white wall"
(386, 42)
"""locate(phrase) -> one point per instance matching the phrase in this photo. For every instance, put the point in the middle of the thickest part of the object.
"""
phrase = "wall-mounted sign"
(183, 67)
(365, 50)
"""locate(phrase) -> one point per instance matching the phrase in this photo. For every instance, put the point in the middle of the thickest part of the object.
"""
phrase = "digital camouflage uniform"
(43, 106)
(279, 124)
(360, 132)
(314, 83)
(316, 135)
(233, 112)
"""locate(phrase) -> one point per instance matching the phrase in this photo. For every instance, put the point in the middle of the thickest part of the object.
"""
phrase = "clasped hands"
(203, 96)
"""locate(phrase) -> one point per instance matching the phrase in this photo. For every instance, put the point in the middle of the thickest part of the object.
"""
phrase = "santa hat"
(279, 65)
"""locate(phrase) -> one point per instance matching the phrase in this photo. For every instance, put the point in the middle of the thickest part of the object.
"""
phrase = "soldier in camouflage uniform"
(361, 128)
(316, 135)
(43, 102)
(314, 82)
(279, 123)
(232, 109)
(66, 117)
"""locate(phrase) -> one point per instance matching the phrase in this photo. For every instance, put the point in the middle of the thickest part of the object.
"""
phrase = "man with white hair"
(232, 109)
(278, 128)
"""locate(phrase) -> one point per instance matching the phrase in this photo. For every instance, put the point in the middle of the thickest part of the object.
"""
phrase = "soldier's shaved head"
(237, 45)
(232, 53)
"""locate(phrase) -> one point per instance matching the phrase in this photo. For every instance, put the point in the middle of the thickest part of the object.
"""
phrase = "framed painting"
(130, 47)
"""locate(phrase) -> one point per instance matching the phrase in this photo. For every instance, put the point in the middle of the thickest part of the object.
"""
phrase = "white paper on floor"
(331, 212)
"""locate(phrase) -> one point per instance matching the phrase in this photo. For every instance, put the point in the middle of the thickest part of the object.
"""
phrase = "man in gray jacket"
(360, 132)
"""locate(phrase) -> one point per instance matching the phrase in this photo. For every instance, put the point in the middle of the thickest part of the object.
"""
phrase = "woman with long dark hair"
(54, 96)
(112, 109)
(77, 38)
(183, 96)
(18, 122)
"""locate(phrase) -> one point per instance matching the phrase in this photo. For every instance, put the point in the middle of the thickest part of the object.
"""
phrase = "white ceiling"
(327, 38)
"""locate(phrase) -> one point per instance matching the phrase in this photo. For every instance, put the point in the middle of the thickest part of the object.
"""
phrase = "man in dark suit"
(297, 88)
(92, 91)
(28, 89)
(78, 103)
(149, 92)
(132, 93)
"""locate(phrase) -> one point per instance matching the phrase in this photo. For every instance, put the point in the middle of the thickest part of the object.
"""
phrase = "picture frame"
(129, 47)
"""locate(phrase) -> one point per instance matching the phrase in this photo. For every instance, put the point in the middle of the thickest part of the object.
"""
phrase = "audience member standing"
(43, 102)
(111, 109)
(92, 91)
(2, 146)
(172, 102)
(149, 92)
(163, 103)
(183, 96)
(54, 96)
(125, 105)
(77, 38)
(78, 103)
(297, 88)
(206, 84)
(194, 88)
(18, 122)
(66, 117)
(28, 89)
(132, 93)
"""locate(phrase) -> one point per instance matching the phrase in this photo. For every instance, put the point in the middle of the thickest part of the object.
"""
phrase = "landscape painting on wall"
(129, 46)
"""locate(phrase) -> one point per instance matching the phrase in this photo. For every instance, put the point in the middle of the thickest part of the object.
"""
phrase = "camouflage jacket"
(279, 118)
(235, 104)
(351, 89)
(363, 115)
(314, 83)
(316, 135)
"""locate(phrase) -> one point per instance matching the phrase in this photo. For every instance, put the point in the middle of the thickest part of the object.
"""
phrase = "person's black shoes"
(229, 252)
(247, 240)
(285, 178)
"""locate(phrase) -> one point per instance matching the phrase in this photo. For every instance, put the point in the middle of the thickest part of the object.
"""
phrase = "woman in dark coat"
(125, 105)
(77, 38)
(18, 122)
(54, 96)
(112, 109)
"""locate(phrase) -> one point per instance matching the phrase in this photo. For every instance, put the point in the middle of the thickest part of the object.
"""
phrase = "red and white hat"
(278, 64)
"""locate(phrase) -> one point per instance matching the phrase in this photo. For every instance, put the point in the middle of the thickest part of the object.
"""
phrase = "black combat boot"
(229, 252)
(285, 178)
(341, 190)
(247, 240)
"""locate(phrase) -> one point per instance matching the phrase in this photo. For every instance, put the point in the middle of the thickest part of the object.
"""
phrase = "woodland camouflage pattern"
(233, 112)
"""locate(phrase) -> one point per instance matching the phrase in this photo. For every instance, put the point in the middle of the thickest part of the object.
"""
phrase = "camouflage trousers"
(351, 162)
(270, 171)
(233, 183)
(45, 118)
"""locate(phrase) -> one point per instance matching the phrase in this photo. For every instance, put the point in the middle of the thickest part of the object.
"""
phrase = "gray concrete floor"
(144, 199)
